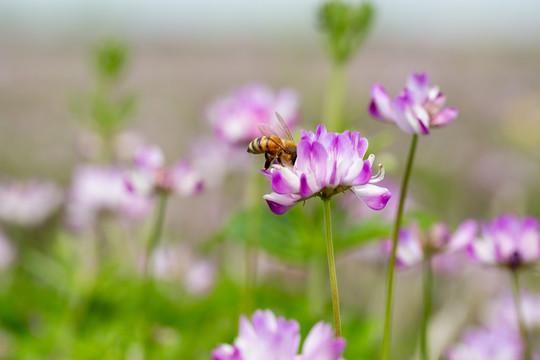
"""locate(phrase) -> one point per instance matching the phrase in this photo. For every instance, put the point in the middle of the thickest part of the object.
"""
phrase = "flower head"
(28, 203)
(326, 164)
(97, 190)
(151, 174)
(501, 313)
(487, 344)
(508, 241)
(269, 338)
(234, 117)
(414, 245)
(418, 108)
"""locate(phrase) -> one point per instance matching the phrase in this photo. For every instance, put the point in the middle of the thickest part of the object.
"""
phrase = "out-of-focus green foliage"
(344, 27)
(110, 58)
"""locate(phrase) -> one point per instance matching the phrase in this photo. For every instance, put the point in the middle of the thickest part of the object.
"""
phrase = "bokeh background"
(485, 56)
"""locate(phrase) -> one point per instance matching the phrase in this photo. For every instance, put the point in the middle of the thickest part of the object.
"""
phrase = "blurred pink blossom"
(28, 203)
(487, 344)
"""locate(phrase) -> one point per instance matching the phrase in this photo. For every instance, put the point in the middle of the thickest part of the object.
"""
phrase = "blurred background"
(183, 55)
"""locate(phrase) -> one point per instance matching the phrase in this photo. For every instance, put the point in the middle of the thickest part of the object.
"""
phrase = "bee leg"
(279, 157)
(268, 161)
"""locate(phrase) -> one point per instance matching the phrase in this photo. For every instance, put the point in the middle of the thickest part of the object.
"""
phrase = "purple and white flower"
(418, 108)
(152, 175)
(98, 190)
(28, 203)
(507, 241)
(414, 246)
(487, 344)
(234, 117)
(326, 164)
(501, 313)
(269, 338)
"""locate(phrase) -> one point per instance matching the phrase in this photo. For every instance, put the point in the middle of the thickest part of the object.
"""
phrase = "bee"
(281, 147)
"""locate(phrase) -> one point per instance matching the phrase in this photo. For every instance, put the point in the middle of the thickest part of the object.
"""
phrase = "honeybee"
(281, 147)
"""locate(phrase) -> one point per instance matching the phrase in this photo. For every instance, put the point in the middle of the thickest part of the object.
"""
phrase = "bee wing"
(267, 130)
(282, 127)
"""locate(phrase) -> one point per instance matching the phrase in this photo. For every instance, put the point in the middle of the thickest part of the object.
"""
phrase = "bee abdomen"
(255, 146)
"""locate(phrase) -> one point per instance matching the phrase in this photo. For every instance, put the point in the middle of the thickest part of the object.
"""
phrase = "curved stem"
(385, 350)
(519, 314)
(428, 289)
(155, 234)
(332, 265)
(335, 98)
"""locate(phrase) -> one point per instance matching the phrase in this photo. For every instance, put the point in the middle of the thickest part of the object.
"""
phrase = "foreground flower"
(28, 203)
(269, 338)
(508, 241)
(97, 191)
(234, 118)
(151, 175)
(326, 164)
(487, 344)
(418, 108)
(414, 246)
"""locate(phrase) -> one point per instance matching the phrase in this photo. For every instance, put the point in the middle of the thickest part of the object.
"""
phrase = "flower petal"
(380, 106)
(418, 84)
(444, 117)
(280, 203)
(284, 181)
(375, 197)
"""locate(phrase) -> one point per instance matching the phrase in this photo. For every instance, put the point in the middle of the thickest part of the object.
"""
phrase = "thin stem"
(155, 234)
(385, 350)
(335, 98)
(332, 265)
(428, 289)
(519, 313)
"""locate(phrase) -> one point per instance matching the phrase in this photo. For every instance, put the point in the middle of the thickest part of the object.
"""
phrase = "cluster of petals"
(268, 337)
(508, 240)
(418, 108)
(152, 175)
(501, 313)
(414, 246)
(326, 164)
(101, 190)
(234, 117)
(487, 344)
(28, 203)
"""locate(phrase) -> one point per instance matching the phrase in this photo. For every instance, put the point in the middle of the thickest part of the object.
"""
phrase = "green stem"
(519, 314)
(155, 234)
(332, 265)
(428, 286)
(385, 350)
(335, 98)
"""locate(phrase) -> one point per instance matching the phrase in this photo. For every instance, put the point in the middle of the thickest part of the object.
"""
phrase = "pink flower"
(416, 109)
(151, 175)
(487, 344)
(28, 203)
(234, 117)
(269, 338)
(326, 164)
(414, 245)
(508, 241)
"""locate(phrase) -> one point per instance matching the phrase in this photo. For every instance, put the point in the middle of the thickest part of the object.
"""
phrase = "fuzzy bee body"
(282, 148)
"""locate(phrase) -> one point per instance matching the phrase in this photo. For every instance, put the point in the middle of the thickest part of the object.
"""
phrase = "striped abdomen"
(265, 144)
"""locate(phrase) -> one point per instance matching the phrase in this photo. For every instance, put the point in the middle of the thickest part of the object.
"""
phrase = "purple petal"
(226, 352)
(418, 84)
(280, 203)
(380, 106)
(444, 117)
(363, 174)
(463, 236)
(405, 119)
(305, 189)
(149, 158)
(375, 197)
(284, 181)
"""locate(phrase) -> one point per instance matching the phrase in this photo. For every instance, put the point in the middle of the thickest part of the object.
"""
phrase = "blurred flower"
(200, 277)
(414, 245)
(7, 252)
(416, 109)
(126, 143)
(501, 313)
(269, 338)
(28, 203)
(327, 164)
(234, 117)
(97, 190)
(151, 175)
(508, 241)
(487, 344)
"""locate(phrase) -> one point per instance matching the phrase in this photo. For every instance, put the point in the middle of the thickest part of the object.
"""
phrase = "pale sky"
(451, 21)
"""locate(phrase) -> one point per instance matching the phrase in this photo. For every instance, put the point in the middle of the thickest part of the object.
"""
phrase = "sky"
(410, 21)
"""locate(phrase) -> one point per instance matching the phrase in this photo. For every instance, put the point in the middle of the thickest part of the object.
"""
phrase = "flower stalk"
(335, 97)
(427, 290)
(332, 265)
(385, 349)
(155, 234)
(519, 315)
